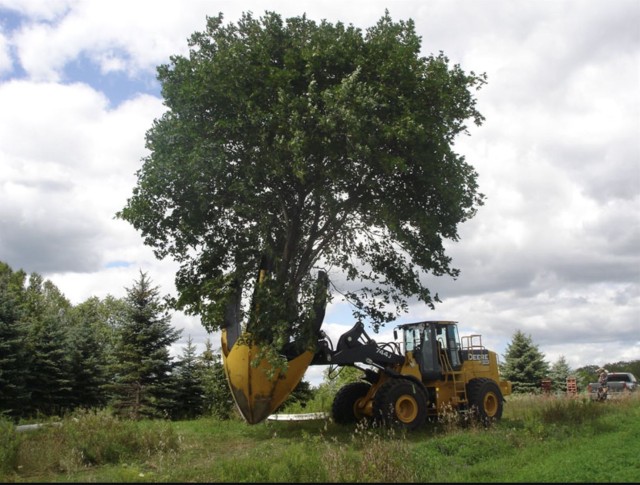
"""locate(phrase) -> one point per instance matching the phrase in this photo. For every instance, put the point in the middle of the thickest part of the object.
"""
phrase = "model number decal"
(383, 352)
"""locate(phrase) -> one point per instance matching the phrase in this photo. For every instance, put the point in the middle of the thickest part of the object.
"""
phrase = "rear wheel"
(400, 403)
(344, 410)
(485, 399)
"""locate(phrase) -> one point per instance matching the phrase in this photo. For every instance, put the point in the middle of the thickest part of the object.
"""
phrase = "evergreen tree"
(218, 400)
(13, 369)
(142, 384)
(90, 342)
(49, 379)
(189, 384)
(524, 364)
(558, 373)
(300, 396)
(112, 315)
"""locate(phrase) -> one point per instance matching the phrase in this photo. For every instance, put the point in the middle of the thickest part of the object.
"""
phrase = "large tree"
(306, 145)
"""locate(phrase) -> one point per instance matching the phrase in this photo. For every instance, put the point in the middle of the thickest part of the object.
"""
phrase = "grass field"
(540, 439)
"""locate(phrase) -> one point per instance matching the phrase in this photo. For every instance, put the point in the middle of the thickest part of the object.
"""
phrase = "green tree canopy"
(310, 144)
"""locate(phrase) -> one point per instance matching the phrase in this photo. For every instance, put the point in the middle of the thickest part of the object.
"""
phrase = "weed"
(376, 454)
(560, 410)
(9, 446)
(534, 442)
(89, 438)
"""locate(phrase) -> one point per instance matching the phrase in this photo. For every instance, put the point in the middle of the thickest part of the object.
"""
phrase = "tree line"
(526, 367)
(56, 357)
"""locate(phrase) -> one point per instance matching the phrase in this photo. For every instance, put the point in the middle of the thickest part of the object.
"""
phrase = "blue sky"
(555, 252)
(117, 86)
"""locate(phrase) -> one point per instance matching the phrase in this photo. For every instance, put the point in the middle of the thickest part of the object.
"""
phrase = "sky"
(554, 253)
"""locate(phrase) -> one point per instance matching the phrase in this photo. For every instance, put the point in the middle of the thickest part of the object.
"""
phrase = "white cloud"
(47, 10)
(68, 166)
(117, 35)
(554, 252)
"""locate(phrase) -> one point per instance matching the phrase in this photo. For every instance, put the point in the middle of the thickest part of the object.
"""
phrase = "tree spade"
(300, 146)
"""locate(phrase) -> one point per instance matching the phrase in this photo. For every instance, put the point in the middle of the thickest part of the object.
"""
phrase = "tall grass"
(540, 439)
(9, 446)
(83, 440)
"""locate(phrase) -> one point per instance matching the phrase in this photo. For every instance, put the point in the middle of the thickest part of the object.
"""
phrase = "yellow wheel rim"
(406, 409)
(490, 404)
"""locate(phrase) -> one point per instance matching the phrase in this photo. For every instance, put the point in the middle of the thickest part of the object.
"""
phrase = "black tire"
(344, 409)
(400, 403)
(485, 399)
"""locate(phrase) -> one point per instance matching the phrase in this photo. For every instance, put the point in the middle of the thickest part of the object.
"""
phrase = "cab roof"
(426, 322)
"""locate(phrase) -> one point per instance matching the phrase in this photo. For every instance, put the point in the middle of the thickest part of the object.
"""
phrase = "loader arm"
(355, 346)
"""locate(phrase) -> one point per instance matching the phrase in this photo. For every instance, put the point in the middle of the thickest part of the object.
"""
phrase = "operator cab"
(435, 346)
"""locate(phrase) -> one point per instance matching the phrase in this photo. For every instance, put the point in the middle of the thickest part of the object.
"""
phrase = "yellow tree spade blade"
(257, 395)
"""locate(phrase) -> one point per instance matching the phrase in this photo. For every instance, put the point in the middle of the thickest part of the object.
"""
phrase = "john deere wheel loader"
(430, 372)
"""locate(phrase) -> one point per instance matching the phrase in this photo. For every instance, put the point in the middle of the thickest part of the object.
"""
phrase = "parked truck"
(616, 383)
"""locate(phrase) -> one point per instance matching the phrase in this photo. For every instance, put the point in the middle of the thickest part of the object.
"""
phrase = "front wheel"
(344, 409)
(485, 399)
(400, 403)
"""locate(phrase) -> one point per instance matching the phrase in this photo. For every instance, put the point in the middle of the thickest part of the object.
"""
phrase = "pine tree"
(559, 372)
(13, 369)
(299, 397)
(49, 378)
(218, 400)
(524, 364)
(189, 384)
(89, 340)
(142, 384)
